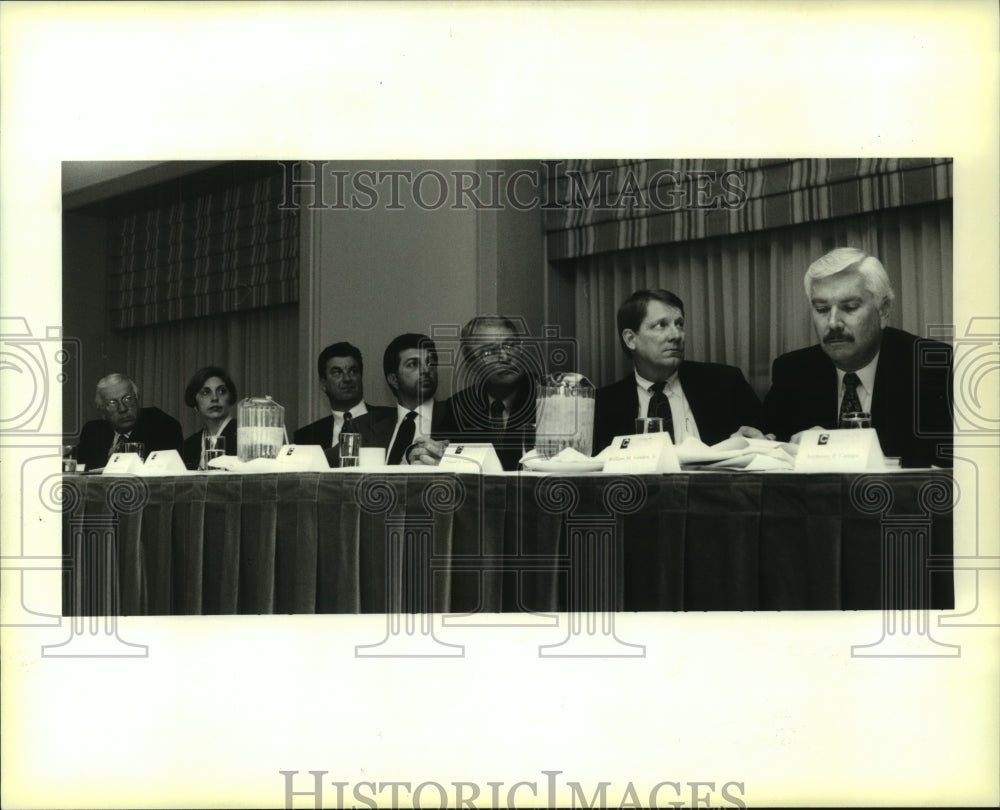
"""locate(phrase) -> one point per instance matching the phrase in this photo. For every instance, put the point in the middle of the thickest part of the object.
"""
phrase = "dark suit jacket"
(154, 428)
(191, 452)
(469, 413)
(321, 431)
(720, 398)
(377, 426)
(911, 403)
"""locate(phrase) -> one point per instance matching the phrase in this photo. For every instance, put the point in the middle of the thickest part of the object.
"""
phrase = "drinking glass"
(649, 424)
(855, 419)
(134, 447)
(215, 447)
(350, 449)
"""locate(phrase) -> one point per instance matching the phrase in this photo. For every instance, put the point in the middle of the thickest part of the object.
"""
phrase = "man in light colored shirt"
(341, 370)
(862, 364)
(705, 401)
(410, 367)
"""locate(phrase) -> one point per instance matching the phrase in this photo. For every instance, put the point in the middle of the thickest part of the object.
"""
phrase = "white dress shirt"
(865, 388)
(422, 424)
(680, 411)
(338, 419)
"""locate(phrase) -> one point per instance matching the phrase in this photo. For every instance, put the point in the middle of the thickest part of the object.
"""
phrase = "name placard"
(164, 462)
(123, 464)
(481, 458)
(642, 453)
(839, 451)
(302, 458)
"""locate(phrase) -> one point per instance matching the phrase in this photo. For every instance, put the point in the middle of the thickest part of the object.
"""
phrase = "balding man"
(861, 364)
(124, 420)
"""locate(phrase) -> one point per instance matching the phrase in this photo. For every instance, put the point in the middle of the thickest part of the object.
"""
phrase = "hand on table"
(797, 437)
(426, 451)
(748, 432)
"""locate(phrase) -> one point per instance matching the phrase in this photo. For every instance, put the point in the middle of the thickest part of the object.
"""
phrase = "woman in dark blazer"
(211, 392)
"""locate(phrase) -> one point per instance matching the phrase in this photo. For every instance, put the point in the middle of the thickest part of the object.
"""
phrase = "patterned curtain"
(602, 206)
(222, 250)
(743, 294)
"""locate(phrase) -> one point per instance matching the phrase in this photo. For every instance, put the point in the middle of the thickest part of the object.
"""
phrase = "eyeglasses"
(496, 348)
(126, 401)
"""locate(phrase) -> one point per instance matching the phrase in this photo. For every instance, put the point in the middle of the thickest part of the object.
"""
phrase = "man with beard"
(495, 402)
(123, 420)
(861, 364)
(705, 401)
(410, 367)
(340, 370)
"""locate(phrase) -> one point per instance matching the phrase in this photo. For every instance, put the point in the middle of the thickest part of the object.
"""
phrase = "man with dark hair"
(862, 364)
(706, 401)
(410, 368)
(340, 370)
(495, 400)
(124, 420)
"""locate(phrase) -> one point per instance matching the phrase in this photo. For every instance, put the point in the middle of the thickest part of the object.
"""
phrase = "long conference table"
(405, 542)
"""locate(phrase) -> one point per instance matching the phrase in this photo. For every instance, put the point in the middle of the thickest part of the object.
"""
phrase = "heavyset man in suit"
(124, 420)
(860, 364)
(410, 367)
(706, 401)
(341, 370)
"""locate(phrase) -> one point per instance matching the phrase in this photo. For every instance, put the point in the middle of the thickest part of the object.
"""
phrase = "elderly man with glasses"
(495, 397)
(124, 420)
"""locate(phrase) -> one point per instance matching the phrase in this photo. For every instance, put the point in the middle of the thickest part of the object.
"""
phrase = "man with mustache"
(340, 370)
(705, 401)
(861, 364)
(124, 420)
(410, 368)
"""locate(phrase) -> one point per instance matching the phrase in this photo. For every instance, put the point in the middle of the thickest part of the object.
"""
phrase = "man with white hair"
(123, 420)
(861, 364)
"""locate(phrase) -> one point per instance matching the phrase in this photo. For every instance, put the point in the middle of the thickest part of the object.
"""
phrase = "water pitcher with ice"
(260, 428)
(564, 414)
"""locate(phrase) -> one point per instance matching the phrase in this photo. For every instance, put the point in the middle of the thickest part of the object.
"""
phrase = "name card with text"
(302, 458)
(164, 462)
(642, 453)
(470, 458)
(839, 451)
(123, 464)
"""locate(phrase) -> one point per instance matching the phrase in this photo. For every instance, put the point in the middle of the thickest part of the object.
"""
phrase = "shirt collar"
(644, 384)
(358, 410)
(866, 375)
(424, 411)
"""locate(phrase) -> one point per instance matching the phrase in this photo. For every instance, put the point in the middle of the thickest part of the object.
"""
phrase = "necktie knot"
(657, 387)
(852, 380)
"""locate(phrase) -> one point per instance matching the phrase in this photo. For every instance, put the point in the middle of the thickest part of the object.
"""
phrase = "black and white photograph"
(499, 405)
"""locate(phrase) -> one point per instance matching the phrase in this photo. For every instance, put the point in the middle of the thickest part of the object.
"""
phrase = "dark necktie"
(346, 427)
(496, 416)
(850, 403)
(404, 438)
(117, 446)
(659, 406)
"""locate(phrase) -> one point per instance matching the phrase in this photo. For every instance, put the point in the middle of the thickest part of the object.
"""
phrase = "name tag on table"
(642, 453)
(839, 451)
(123, 464)
(163, 462)
(481, 458)
(302, 458)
